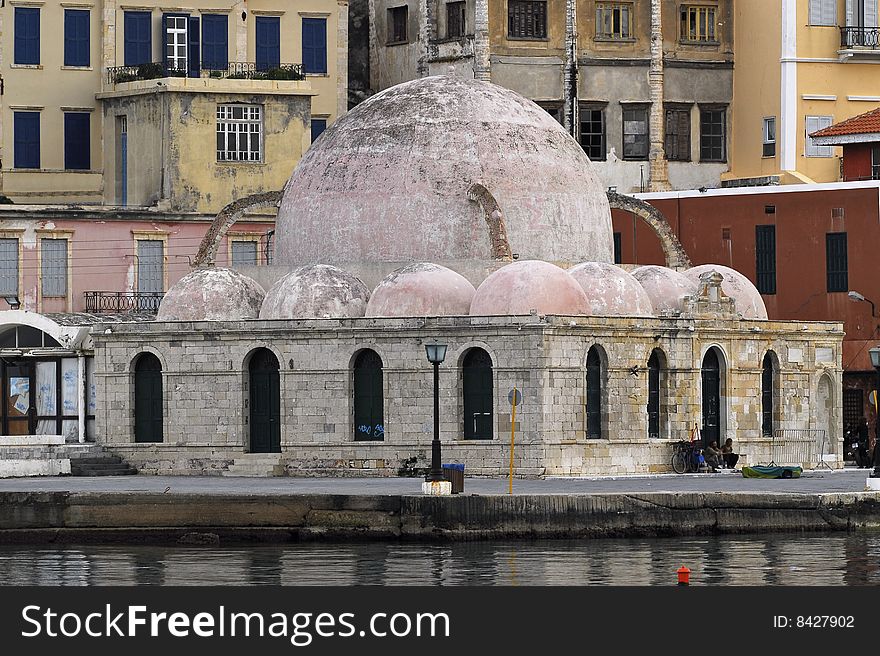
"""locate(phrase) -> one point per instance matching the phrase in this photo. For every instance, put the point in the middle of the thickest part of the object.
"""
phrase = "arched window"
(265, 402)
(767, 394)
(148, 399)
(477, 389)
(369, 423)
(655, 365)
(594, 393)
(711, 385)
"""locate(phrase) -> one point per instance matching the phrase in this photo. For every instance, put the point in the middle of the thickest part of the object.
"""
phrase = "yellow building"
(181, 106)
(801, 65)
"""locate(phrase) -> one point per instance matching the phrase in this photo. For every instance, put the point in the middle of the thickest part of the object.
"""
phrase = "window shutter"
(850, 13)
(76, 37)
(318, 127)
(54, 267)
(215, 45)
(829, 12)
(138, 41)
(870, 13)
(314, 40)
(27, 36)
(268, 42)
(9, 266)
(816, 12)
(76, 141)
(812, 125)
(165, 59)
(26, 138)
(195, 67)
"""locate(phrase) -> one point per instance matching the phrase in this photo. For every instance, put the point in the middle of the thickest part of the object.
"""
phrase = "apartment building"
(646, 86)
(816, 65)
(183, 108)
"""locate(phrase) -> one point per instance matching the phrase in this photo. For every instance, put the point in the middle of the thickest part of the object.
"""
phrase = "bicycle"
(685, 457)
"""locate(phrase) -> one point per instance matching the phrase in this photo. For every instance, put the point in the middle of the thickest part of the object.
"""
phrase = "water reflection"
(717, 560)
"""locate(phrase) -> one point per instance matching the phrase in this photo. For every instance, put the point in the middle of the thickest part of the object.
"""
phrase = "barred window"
(836, 264)
(239, 133)
(53, 266)
(398, 19)
(526, 19)
(765, 258)
(698, 24)
(9, 267)
(613, 20)
(455, 19)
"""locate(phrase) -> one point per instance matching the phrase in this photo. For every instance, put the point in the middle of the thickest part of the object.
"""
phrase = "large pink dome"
(319, 291)
(748, 300)
(389, 181)
(212, 294)
(521, 287)
(611, 291)
(666, 288)
(421, 290)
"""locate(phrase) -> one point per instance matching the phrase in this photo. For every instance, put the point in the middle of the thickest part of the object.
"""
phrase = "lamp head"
(875, 356)
(855, 296)
(436, 352)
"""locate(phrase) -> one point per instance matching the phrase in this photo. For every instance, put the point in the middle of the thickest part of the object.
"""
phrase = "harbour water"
(778, 559)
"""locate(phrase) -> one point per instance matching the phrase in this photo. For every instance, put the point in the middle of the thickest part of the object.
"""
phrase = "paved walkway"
(812, 482)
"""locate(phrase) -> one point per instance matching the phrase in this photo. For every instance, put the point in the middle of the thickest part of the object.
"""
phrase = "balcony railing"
(233, 71)
(122, 302)
(860, 37)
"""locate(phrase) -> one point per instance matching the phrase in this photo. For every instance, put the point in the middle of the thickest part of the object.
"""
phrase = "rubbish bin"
(454, 473)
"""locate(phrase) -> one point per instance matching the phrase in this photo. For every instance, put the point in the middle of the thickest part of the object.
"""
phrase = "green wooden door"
(148, 399)
(265, 403)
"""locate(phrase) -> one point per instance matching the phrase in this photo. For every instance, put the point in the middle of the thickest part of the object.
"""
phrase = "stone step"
(98, 470)
(255, 470)
(96, 460)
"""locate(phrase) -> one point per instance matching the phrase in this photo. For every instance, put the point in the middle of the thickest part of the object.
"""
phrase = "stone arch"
(825, 414)
(676, 258)
(225, 219)
(494, 220)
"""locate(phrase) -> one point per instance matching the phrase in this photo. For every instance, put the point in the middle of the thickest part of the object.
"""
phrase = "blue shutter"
(76, 37)
(215, 42)
(314, 44)
(268, 42)
(26, 135)
(138, 38)
(27, 35)
(318, 126)
(77, 141)
(193, 61)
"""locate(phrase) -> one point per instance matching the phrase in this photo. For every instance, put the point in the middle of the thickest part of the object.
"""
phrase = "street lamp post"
(875, 361)
(434, 481)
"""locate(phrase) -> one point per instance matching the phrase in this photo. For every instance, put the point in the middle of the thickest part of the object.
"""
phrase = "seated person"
(730, 458)
(712, 454)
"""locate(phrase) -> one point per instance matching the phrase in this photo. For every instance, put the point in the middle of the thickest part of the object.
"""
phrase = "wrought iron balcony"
(860, 37)
(233, 71)
(122, 302)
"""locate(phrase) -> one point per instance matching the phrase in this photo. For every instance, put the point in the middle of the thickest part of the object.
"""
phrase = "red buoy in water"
(684, 576)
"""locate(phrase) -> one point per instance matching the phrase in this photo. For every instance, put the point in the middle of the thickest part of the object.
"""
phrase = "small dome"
(611, 291)
(666, 288)
(319, 291)
(212, 294)
(421, 290)
(748, 300)
(521, 287)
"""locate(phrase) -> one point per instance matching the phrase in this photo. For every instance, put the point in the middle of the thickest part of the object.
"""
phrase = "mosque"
(453, 211)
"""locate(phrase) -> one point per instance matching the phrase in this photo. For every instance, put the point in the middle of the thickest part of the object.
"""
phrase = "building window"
(713, 134)
(369, 422)
(698, 24)
(618, 256)
(836, 262)
(767, 381)
(150, 268)
(594, 393)
(318, 127)
(769, 137)
(398, 17)
(27, 36)
(215, 42)
(176, 41)
(148, 399)
(592, 132)
(635, 133)
(853, 409)
(244, 253)
(477, 392)
(526, 19)
(655, 367)
(77, 141)
(138, 39)
(765, 258)
(26, 138)
(455, 20)
(239, 133)
(268, 42)
(875, 163)
(314, 45)
(823, 13)
(815, 123)
(53, 267)
(8, 267)
(76, 37)
(678, 134)
(613, 20)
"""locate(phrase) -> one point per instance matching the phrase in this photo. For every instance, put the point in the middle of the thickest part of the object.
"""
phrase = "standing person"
(730, 458)
(862, 460)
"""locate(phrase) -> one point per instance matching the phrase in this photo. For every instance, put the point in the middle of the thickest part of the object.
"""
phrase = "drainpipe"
(658, 168)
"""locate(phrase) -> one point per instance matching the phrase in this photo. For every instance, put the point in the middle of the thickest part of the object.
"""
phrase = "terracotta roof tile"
(866, 123)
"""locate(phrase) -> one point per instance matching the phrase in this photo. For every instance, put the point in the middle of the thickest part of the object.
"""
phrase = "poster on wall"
(19, 385)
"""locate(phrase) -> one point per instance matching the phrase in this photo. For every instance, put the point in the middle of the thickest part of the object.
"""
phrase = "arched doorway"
(265, 402)
(477, 390)
(711, 384)
(767, 393)
(148, 403)
(654, 366)
(824, 415)
(369, 423)
(594, 393)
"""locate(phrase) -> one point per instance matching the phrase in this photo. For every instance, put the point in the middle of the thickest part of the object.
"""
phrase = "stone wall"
(205, 390)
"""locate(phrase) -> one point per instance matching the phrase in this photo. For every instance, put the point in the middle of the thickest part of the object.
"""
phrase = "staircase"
(256, 464)
(95, 461)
